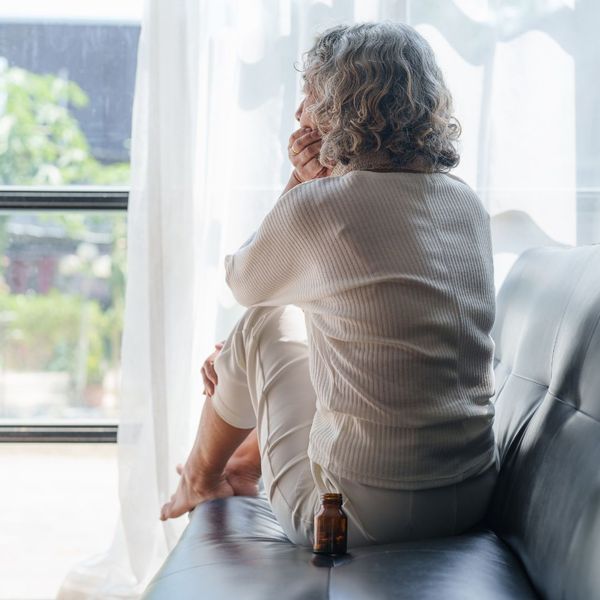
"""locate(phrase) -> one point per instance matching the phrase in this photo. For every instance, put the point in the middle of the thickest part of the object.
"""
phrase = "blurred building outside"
(66, 93)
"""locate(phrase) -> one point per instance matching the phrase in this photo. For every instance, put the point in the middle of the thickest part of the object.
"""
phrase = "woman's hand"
(209, 375)
(303, 150)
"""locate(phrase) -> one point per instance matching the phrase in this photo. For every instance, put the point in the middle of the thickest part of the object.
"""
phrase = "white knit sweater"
(394, 273)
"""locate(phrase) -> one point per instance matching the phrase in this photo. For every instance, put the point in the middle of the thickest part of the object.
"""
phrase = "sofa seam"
(574, 408)
(562, 317)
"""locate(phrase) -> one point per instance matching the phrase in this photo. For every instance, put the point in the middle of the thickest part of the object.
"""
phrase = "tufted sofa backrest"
(547, 364)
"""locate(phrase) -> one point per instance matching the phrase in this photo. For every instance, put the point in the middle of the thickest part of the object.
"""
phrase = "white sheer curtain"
(215, 98)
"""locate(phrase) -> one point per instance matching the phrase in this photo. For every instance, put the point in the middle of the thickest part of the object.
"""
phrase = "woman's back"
(394, 273)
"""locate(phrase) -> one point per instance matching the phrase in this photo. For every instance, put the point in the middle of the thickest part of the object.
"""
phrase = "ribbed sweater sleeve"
(275, 265)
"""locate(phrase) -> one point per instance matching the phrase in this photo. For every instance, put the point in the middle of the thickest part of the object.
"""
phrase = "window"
(67, 76)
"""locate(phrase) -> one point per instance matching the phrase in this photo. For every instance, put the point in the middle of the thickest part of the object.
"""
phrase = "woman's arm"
(274, 266)
(269, 268)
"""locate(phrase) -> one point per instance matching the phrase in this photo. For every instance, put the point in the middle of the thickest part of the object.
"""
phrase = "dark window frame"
(58, 199)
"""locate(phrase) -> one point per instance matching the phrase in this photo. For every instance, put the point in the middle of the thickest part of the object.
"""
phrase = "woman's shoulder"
(302, 205)
(456, 178)
(470, 196)
(316, 192)
(321, 186)
(359, 185)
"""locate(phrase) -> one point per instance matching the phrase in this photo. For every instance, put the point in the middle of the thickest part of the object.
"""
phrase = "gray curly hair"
(376, 87)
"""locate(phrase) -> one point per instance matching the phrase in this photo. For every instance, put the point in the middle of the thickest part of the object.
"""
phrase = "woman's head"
(376, 87)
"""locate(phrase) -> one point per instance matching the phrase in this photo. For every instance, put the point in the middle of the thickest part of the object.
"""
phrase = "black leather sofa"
(541, 537)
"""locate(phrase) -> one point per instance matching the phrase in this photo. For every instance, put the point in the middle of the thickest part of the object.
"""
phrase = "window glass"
(62, 282)
(67, 75)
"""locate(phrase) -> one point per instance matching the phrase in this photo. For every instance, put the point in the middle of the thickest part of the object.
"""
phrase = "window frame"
(62, 199)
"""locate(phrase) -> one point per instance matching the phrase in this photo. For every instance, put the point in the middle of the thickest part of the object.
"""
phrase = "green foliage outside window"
(41, 142)
(44, 333)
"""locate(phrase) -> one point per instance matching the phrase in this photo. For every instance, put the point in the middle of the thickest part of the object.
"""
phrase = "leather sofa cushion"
(546, 504)
(234, 548)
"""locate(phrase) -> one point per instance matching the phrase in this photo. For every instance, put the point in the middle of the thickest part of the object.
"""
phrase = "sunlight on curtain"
(215, 101)
(514, 89)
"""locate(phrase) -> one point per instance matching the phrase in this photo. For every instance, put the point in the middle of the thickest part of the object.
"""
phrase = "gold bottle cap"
(331, 497)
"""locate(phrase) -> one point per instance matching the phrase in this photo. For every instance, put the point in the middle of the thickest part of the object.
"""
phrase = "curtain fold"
(214, 106)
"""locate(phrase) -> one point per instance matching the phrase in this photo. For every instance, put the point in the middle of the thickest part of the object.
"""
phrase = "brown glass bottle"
(331, 526)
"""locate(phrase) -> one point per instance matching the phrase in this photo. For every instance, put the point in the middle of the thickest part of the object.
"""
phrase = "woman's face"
(302, 115)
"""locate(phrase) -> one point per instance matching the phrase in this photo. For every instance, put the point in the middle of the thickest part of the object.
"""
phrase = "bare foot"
(191, 492)
(243, 476)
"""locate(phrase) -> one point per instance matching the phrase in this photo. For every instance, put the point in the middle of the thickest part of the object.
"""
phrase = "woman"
(364, 363)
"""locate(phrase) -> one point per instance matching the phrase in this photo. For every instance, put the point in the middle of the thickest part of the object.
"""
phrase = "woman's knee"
(270, 323)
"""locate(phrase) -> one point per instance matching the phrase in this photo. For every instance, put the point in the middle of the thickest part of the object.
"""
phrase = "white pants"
(263, 381)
